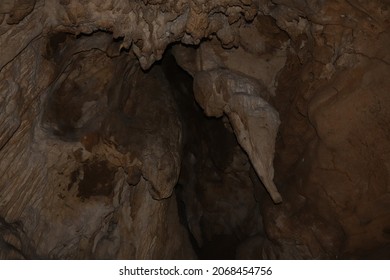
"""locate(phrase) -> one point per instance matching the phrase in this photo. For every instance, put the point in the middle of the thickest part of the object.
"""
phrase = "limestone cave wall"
(192, 129)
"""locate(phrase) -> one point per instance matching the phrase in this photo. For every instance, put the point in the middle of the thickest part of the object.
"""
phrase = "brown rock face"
(254, 121)
(194, 129)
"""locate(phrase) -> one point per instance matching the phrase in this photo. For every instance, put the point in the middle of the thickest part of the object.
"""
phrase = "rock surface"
(94, 139)
(91, 167)
(254, 121)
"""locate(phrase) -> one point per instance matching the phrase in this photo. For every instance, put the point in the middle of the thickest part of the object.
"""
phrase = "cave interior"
(184, 130)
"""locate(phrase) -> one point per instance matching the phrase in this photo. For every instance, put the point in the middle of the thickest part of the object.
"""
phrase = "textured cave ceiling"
(221, 129)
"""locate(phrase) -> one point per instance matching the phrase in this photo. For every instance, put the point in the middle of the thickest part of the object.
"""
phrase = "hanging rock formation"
(254, 121)
(104, 153)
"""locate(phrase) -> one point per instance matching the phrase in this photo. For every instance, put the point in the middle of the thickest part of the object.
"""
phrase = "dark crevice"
(208, 149)
(182, 212)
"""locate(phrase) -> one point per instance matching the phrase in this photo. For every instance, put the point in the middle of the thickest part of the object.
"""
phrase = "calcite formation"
(106, 154)
(254, 121)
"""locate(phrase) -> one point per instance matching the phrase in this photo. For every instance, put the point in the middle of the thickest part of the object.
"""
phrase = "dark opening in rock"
(231, 129)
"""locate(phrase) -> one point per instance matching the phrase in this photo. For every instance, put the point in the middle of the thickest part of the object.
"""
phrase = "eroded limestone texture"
(105, 153)
(93, 168)
(254, 121)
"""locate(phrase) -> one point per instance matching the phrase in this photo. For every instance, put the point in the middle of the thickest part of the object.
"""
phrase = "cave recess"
(223, 129)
